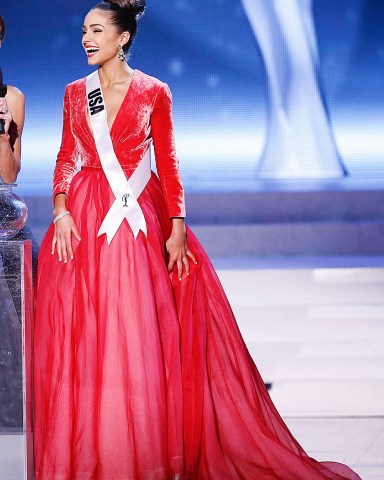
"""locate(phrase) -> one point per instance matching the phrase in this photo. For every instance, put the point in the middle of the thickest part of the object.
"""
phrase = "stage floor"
(317, 334)
(315, 329)
(358, 442)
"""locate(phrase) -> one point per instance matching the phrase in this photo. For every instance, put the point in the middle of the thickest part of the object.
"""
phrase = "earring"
(121, 54)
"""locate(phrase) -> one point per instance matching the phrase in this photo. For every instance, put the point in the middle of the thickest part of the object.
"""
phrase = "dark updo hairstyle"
(124, 15)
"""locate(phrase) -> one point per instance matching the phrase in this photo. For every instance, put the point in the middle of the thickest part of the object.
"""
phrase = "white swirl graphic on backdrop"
(299, 141)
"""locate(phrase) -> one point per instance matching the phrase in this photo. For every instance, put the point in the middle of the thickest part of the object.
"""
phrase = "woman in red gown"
(140, 370)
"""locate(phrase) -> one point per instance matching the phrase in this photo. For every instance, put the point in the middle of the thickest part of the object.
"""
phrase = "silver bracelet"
(61, 215)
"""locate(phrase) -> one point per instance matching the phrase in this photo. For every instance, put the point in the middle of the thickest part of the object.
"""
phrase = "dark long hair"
(2, 30)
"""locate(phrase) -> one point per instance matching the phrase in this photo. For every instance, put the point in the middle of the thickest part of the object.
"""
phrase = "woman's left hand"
(177, 248)
(5, 114)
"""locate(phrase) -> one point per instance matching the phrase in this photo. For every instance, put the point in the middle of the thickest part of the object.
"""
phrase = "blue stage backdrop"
(206, 51)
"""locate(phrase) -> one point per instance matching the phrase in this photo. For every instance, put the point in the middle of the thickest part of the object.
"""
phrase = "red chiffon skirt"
(141, 376)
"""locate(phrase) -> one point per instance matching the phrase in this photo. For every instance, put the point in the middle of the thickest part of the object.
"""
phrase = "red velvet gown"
(138, 375)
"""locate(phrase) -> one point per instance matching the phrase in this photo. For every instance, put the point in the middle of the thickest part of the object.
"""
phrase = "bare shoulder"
(16, 104)
(15, 94)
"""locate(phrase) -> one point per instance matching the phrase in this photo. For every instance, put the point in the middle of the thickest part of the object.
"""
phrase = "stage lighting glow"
(219, 82)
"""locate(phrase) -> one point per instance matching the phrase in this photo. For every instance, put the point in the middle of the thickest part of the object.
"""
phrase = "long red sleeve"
(166, 160)
(65, 168)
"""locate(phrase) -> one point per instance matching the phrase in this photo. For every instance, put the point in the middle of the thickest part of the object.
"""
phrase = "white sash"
(126, 192)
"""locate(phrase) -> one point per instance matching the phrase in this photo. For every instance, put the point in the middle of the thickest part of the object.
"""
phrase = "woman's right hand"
(62, 238)
(5, 114)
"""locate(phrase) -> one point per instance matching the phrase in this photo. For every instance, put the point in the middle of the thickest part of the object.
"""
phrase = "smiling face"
(101, 40)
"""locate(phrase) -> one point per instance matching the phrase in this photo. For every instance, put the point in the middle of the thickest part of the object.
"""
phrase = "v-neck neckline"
(118, 111)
